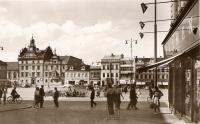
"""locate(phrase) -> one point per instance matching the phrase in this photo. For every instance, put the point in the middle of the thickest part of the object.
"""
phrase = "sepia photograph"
(99, 62)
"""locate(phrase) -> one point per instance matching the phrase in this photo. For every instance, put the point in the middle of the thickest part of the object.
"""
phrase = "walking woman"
(156, 99)
(37, 97)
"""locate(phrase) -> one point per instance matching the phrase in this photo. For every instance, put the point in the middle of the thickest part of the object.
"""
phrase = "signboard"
(183, 37)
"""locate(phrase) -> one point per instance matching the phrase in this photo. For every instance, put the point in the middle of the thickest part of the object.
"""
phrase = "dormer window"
(83, 68)
(71, 68)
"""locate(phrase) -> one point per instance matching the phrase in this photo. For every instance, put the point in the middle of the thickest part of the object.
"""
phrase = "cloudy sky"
(87, 29)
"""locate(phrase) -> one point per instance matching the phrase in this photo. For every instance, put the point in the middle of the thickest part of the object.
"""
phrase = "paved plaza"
(75, 110)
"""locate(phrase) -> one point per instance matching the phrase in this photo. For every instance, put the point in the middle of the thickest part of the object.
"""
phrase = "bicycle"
(17, 100)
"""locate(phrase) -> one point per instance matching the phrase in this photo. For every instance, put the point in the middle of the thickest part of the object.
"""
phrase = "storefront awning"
(160, 63)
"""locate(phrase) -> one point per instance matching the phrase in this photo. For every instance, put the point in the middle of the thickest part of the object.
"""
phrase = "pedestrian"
(55, 97)
(110, 99)
(1, 93)
(156, 99)
(133, 99)
(4, 95)
(150, 92)
(92, 96)
(37, 97)
(117, 96)
(42, 94)
(126, 89)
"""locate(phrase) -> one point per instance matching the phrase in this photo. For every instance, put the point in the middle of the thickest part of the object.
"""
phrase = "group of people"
(40, 94)
(114, 94)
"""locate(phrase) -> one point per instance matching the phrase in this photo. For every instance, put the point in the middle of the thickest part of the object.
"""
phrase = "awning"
(160, 63)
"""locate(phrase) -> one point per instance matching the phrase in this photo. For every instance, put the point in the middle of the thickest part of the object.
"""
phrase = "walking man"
(133, 99)
(92, 95)
(55, 97)
(42, 94)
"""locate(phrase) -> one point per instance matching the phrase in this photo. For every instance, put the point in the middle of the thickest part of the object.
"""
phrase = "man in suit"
(92, 96)
(42, 94)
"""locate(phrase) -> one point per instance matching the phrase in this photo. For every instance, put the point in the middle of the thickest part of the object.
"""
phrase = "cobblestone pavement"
(79, 112)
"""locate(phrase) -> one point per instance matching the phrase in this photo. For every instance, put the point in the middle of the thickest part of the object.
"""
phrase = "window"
(108, 67)
(116, 74)
(49, 74)
(26, 74)
(46, 80)
(22, 74)
(103, 74)
(116, 67)
(103, 67)
(112, 75)
(33, 61)
(83, 68)
(14, 75)
(38, 74)
(163, 76)
(22, 67)
(38, 67)
(57, 67)
(71, 67)
(85, 74)
(46, 74)
(26, 67)
(63, 67)
(52, 67)
(108, 75)
(33, 67)
(33, 74)
(46, 67)
(78, 74)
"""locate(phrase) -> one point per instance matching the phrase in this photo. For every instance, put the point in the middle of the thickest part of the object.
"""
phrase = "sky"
(87, 29)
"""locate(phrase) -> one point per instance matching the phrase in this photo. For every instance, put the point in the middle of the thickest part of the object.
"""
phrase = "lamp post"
(131, 45)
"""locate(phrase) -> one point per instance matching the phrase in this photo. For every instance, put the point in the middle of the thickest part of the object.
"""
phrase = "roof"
(12, 66)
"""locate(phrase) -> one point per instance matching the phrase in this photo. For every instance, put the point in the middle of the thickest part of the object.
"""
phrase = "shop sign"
(183, 37)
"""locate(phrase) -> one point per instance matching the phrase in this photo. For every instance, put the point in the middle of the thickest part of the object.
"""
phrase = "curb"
(14, 109)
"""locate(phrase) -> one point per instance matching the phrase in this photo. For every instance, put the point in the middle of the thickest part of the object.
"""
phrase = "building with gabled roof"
(44, 67)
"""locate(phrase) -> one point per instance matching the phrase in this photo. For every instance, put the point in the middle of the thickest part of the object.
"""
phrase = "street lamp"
(142, 33)
(131, 45)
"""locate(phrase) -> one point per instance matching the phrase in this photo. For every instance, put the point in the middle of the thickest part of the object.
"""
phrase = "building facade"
(182, 46)
(43, 67)
(110, 69)
(3, 74)
(95, 74)
(147, 77)
(12, 73)
(77, 75)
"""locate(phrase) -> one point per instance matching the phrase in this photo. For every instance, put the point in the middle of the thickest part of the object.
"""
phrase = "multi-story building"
(147, 77)
(12, 73)
(95, 74)
(3, 74)
(110, 69)
(78, 74)
(127, 71)
(43, 67)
